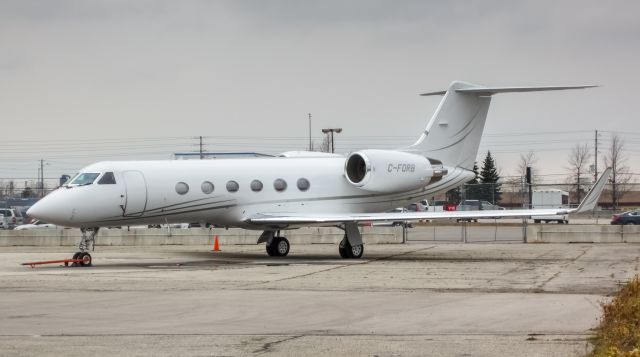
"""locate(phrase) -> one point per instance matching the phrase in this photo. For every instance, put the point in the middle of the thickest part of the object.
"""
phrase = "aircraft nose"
(39, 210)
(48, 210)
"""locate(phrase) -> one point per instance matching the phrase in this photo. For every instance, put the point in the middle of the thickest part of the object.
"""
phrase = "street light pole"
(310, 145)
(332, 131)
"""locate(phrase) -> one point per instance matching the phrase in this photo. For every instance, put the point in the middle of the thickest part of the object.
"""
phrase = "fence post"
(464, 231)
(404, 233)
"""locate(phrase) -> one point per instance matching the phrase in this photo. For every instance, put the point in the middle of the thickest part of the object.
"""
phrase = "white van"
(551, 198)
(11, 218)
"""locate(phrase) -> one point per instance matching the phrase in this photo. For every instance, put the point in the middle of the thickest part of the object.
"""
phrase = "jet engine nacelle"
(389, 171)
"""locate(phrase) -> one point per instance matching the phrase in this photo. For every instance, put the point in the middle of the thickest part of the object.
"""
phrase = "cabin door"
(136, 187)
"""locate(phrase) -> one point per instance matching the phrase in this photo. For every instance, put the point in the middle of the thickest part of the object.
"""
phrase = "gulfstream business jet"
(294, 189)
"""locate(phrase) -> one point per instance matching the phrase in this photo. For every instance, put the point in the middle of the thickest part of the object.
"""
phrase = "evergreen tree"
(490, 188)
(472, 187)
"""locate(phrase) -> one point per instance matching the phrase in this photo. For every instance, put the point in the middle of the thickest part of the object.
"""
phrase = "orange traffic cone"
(216, 246)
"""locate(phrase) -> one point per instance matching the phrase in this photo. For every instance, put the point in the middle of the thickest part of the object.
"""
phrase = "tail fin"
(590, 201)
(453, 134)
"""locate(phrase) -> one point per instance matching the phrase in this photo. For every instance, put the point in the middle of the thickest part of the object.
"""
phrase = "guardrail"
(429, 233)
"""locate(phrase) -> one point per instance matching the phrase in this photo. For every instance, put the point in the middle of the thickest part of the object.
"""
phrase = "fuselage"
(223, 192)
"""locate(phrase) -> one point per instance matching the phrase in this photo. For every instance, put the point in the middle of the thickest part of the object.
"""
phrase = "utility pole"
(201, 155)
(41, 178)
(331, 131)
(595, 166)
(529, 177)
(310, 144)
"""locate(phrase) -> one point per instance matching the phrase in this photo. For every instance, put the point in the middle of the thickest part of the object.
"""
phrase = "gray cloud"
(112, 69)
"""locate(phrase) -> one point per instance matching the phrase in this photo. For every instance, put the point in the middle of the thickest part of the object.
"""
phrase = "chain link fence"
(512, 195)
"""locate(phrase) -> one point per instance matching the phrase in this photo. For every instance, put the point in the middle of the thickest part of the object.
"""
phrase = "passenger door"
(136, 193)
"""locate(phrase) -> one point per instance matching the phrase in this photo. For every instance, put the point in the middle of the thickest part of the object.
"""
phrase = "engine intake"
(357, 167)
(388, 171)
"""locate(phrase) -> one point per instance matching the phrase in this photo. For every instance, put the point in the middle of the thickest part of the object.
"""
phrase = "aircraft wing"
(588, 203)
(293, 218)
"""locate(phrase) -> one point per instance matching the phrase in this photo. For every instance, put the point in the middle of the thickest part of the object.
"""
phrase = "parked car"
(439, 206)
(2, 225)
(418, 207)
(35, 224)
(11, 218)
(395, 223)
(477, 205)
(629, 217)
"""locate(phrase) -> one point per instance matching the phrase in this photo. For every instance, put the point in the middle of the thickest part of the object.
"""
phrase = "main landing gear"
(276, 246)
(350, 247)
(82, 257)
(347, 250)
(279, 247)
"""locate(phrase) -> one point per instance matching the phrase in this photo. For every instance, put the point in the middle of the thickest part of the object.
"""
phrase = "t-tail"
(453, 134)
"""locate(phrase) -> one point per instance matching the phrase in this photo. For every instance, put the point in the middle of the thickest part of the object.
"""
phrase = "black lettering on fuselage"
(401, 167)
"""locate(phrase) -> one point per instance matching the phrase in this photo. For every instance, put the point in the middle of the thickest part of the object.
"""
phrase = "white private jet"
(294, 189)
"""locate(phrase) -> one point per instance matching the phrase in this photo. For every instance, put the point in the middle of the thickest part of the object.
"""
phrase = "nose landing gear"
(87, 242)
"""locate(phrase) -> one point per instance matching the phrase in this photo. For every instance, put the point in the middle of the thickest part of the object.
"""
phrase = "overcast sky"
(81, 81)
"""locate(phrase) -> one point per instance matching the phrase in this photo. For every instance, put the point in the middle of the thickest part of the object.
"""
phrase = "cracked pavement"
(411, 299)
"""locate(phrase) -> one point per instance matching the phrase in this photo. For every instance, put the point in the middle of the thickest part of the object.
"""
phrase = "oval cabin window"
(182, 188)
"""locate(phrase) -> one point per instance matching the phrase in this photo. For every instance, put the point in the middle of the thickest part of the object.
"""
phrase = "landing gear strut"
(86, 244)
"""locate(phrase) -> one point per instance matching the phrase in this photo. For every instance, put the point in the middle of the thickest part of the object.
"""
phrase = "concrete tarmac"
(399, 300)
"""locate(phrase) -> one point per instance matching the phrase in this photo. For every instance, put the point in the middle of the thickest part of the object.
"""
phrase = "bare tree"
(578, 165)
(326, 144)
(620, 175)
(527, 160)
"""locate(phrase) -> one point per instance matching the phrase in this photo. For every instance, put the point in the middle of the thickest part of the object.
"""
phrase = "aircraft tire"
(356, 251)
(75, 256)
(347, 251)
(86, 259)
(279, 247)
(282, 247)
(270, 248)
(342, 248)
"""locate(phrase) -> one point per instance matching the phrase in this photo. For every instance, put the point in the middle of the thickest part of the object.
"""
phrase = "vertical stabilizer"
(453, 134)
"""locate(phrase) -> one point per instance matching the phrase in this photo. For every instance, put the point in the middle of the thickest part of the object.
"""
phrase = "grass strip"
(619, 331)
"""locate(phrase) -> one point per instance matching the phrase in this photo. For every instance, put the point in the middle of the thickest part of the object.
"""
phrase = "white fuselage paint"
(145, 192)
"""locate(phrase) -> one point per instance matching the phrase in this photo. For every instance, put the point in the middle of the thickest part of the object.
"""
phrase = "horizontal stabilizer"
(495, 90)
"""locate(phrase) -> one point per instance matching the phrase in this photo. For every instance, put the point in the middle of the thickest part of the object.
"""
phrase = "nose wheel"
(82, 258)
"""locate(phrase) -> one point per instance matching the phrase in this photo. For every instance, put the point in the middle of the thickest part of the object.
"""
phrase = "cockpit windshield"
(85, 178)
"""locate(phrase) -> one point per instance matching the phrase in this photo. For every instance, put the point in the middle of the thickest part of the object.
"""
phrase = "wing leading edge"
(588, 203)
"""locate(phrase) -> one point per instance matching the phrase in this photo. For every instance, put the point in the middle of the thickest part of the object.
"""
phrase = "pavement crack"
(268, 347)
(541, 286)
(580, 255)
(572, 261)
(339, 267)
